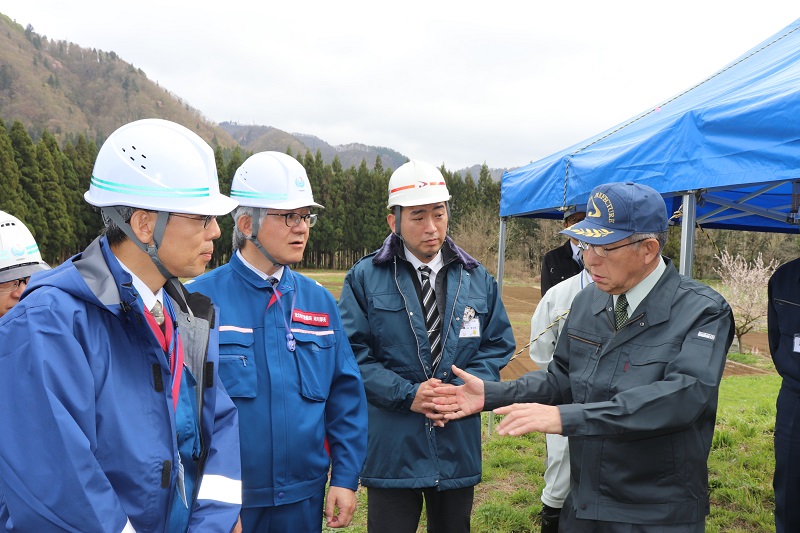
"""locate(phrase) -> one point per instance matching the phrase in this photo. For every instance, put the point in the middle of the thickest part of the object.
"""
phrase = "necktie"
(621, 310)
(158, 313)
(433, 322)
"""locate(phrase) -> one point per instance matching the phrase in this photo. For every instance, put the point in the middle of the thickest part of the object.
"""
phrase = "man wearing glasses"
(285, 359)
(113, 416)
(634, 378)
(19, 259)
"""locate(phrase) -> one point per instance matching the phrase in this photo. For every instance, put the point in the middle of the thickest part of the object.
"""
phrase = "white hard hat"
(19, 253)
(159, 165)
(272, 180)
(417, 183)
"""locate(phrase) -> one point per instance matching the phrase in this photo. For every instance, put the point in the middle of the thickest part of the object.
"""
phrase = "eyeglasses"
(602, 251)
(293, 219)
(11, 286)
(205, 218)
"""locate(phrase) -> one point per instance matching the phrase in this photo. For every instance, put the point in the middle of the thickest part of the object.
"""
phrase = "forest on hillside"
(42, 183)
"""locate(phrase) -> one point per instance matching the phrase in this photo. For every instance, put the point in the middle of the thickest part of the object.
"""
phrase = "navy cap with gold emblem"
(618, 210)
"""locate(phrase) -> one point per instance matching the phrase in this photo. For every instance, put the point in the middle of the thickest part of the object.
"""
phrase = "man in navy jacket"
(405, 348)
(114, 419)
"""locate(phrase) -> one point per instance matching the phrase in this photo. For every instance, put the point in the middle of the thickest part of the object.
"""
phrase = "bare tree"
(744, 285)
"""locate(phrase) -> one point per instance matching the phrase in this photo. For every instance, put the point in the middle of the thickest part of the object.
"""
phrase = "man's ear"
(245, 224)
(143, 224)
(651, 250)
(391, 221)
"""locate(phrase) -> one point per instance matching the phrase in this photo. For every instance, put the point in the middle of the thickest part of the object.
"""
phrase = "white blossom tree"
(744, 285)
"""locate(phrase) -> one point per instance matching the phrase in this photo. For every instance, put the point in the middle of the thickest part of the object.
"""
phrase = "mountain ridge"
(69, 90)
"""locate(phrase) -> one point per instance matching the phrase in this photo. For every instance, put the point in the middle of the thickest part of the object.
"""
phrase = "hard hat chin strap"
(149, 249)
(152, 249)
(253, 237)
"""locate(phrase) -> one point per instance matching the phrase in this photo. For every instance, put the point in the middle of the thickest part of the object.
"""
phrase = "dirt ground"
(521, 301)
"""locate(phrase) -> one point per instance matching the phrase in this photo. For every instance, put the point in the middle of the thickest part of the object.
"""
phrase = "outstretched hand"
(522, 418)
(456, 402)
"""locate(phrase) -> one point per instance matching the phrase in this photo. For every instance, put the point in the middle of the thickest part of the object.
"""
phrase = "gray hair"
(661, 237)
(114, 233)
(240, 238)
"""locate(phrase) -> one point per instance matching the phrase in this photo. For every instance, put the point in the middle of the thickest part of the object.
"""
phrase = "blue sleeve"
(346, 417)
(219, 499)
(49, 474)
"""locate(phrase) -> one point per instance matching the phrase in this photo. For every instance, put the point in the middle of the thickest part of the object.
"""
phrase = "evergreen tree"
(82, 160)
(12, 197)
(73, 196)
(25, 157)
(54, 208)
(488, 190)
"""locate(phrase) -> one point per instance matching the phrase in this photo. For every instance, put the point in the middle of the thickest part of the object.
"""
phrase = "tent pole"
(687, 233)
(501, 260)
(501, 253)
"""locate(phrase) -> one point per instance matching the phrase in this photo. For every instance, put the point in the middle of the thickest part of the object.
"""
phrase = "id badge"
(471, 328)
(796, 348)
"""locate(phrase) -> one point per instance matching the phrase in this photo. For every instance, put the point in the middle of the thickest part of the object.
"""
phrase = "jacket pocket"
(388, 315)
(237, 365)
(315, 359)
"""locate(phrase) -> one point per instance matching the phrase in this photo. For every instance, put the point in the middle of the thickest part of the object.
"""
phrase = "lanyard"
(170, 341)
(290, 342)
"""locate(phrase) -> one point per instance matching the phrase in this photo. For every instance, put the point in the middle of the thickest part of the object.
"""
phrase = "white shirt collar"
(148, 298)
(638, 292)
(278, 273)
(434, 264)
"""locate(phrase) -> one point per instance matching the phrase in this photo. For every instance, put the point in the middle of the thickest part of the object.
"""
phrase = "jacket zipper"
(787, 302)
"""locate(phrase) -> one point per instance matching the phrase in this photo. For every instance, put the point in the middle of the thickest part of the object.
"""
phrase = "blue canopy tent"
(725, 152)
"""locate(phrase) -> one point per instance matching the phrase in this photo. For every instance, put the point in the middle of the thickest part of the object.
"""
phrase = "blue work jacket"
(91, 441)
(288, 401)
(382, 314)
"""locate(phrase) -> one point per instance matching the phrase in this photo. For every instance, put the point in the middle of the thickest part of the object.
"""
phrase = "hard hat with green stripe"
(155, 165)
(417, 183)
(158, 165)
(19, 253)
(272, 180)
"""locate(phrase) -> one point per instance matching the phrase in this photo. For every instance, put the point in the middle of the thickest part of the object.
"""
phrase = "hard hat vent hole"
(143, 167)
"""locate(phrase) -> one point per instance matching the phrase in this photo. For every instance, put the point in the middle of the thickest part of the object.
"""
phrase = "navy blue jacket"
(383, 317)
(89, 430)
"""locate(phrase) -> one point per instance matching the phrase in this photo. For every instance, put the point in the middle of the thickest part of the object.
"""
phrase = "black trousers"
(399, 510)
(787, 461)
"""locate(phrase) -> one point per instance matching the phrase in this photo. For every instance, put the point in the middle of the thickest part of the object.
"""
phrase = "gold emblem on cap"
(589, 232)
(594, 211)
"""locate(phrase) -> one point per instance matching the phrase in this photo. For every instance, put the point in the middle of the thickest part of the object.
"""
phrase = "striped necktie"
(433, 322)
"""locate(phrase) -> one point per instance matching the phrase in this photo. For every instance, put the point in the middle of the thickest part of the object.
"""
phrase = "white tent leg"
(501, 260)
(687, 233)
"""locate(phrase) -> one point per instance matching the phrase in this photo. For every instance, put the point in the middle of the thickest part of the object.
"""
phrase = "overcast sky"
(453, 82)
